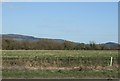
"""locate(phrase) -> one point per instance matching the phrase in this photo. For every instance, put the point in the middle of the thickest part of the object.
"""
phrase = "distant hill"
(34, 39)
(47, 43)
(111, 45)
(19, 37)
(27, 38)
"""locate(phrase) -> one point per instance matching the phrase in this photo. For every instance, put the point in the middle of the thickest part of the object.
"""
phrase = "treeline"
(46, 44)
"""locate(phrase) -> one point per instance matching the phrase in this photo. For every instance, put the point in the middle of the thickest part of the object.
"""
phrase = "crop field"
(59, 64)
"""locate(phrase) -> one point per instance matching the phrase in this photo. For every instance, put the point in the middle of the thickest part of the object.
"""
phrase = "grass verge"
(41, 74)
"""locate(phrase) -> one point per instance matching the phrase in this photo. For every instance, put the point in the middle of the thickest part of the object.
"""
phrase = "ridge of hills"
(19, 37)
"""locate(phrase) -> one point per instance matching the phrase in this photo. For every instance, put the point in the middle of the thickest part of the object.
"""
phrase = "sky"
(74, 21)
(60, 0)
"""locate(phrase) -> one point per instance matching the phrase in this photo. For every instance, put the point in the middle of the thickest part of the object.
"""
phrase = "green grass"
(59, 57)
(58, 74)
(25, 59)
(59, 53)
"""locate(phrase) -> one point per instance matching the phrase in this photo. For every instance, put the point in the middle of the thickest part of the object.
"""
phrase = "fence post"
(111, 61)
(57, 63)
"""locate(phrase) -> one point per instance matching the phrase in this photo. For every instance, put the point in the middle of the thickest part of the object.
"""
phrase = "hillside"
(46, 42)
(27, 38)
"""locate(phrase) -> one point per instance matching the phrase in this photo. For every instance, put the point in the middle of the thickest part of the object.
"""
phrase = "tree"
(68, 45)
(92, 45)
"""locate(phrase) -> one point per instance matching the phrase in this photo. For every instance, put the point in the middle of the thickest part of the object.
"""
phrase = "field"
(59, 64)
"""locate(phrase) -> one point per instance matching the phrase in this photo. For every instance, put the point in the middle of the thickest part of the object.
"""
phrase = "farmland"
(59, 64)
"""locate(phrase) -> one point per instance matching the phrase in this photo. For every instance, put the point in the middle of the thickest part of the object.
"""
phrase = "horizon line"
(57, 38)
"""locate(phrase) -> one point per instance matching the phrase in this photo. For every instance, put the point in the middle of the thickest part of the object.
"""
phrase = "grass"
(59, 53)
(17, 62)
(58, 74)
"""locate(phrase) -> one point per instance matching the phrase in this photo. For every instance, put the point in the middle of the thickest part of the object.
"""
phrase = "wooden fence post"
(111, 61)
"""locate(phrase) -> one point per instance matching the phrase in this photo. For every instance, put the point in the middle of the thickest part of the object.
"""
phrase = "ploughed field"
(59, 64)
